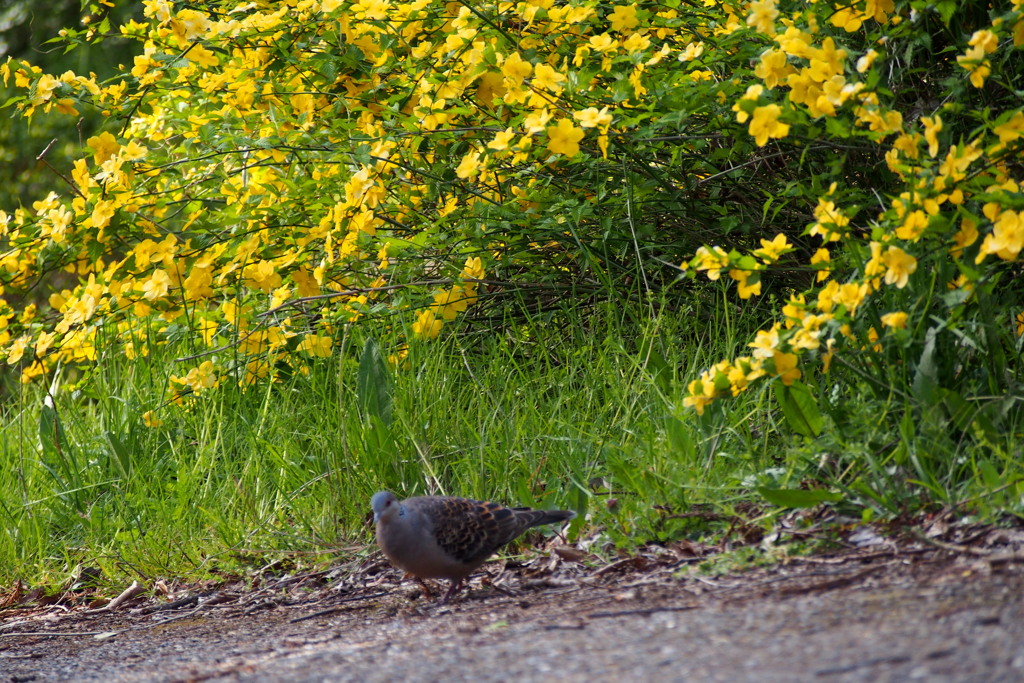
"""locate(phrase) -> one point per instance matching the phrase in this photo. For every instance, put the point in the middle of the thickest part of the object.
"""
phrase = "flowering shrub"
(273, 171)
(919, 272)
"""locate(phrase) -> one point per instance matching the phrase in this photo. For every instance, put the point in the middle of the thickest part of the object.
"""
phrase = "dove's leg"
(452, 590)
(426, 589)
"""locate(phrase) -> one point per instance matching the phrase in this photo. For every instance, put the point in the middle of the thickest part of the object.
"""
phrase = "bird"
(445, 537)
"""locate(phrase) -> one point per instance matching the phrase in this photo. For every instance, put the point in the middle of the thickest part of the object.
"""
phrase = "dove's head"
(385, 506)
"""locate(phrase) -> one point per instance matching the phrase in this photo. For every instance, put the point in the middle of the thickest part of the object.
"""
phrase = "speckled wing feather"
(470, 530)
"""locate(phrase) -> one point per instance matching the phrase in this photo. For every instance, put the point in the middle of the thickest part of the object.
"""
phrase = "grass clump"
(569, 411)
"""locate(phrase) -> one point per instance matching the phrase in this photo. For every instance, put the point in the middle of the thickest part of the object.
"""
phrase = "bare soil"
(919, 611)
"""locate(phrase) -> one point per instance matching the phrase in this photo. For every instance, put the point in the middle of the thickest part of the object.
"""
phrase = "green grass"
(577, 409)
(572, 410)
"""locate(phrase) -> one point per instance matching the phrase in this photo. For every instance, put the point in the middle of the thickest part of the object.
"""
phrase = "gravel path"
(920, 615)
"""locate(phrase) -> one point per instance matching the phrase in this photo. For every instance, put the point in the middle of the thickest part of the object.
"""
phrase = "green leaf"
(989, 475)
(745, 263)
(680, 440)
(926, 375)
(51, 433)
(374, 384)
(121, 452)
(798, 498)
(800, 408)
(946, 9)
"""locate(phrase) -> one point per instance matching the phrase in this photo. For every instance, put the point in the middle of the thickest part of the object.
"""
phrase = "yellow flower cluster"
(449, 303)
(262, 197)
(250, 190)
(809, 76)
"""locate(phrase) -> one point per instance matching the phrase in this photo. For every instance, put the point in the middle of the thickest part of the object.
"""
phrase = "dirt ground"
(886, 612)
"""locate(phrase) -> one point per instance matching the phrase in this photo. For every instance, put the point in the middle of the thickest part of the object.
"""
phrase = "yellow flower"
(398, 359)
(873, 337)
(712, 260)
(932, 126)
(203, 57)
(623, 18)
(190, 24)
(785, 367)
(564, 138)
(985, 39)
(749, 282)
(197, 284)
(762, 16)
(104, 146)
(965, 236)
(1011, 130)
(773, 67)
(765, 342)
(208, 331)
(17, 349)
(822, 256)
(151, 421)
(830, 220)
(826, 358)
(516, 68)
(102, 213)
(474, 268)
(502, 140)
(450, 302)
(547, 78)
(157, 285)
(1007, 238)
(692, 51)
(896, 320)
(899, 267)
(602, 42)
(806, 336)
(865, 62)
(469, 166)
(198, 379)
(848, 19)
(262, 276)
(975, 63)
(535, 122)
(765, 124)
(702, 392)
(205, 376)
(793, 310)
(770, 251)
(637, 42)
(851, 295)
(592, 118)
(913, 225)
(427, 326)
(43, 343)
(743, 372)
(753, 93)
(316, 345)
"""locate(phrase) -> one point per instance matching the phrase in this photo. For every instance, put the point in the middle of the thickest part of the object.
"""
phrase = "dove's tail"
(530, 517)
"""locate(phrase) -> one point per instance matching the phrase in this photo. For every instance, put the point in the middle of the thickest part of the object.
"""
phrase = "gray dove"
(441, 537)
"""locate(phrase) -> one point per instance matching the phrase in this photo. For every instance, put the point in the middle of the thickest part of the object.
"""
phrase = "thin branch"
(67, 180)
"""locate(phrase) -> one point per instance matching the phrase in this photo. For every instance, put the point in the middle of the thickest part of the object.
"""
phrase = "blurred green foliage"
(27, 30)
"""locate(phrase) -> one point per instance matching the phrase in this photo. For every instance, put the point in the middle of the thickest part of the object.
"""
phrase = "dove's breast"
(409, 542)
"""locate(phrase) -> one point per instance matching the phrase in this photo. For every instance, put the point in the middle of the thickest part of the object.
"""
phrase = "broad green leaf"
(926, 383)
(374, 384)
(800, 408)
